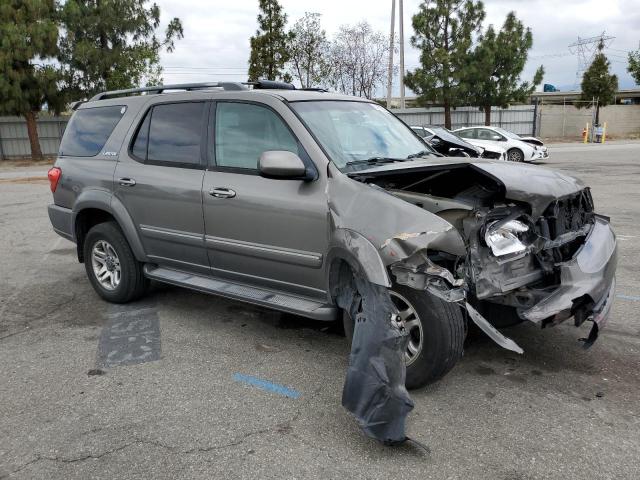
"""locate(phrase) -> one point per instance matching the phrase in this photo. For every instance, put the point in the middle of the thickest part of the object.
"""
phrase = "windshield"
(507, 133)
(357, 132)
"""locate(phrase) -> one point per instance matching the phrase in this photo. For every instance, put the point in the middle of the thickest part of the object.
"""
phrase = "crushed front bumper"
(590, 273)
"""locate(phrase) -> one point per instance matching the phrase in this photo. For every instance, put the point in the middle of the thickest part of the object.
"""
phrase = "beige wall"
(568, 121)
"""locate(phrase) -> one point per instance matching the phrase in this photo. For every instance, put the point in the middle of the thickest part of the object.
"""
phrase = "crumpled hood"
(535, 185)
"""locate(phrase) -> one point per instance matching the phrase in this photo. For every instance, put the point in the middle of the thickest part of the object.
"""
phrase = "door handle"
(127, 182)
(222, 192)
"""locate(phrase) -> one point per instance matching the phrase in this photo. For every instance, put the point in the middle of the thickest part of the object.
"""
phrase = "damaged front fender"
(403, 230)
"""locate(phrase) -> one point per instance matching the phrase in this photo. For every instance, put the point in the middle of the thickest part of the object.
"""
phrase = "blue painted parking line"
(266, 385)
(629, 297)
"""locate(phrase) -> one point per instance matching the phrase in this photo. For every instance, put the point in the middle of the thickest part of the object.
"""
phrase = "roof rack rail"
(161, 88)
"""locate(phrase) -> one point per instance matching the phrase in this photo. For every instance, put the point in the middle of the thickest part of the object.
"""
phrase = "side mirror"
(281, 164)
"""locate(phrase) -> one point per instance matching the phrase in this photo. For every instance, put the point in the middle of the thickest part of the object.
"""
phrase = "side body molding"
(104, 200)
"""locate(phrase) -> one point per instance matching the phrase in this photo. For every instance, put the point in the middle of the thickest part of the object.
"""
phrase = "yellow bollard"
(604, 132)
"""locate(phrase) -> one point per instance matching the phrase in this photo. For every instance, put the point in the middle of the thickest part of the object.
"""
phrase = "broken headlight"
(506, 238)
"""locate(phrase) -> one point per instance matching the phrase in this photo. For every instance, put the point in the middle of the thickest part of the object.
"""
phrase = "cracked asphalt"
(557, 411)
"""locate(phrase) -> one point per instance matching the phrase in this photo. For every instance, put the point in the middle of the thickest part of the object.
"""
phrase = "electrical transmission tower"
(585, 50)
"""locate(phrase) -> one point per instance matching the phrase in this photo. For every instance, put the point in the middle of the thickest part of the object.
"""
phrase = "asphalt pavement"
(227, 390)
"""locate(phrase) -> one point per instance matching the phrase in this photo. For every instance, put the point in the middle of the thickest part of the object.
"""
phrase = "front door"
(159, 181)
(266, 232)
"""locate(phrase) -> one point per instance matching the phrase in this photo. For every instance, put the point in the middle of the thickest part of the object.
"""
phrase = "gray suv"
(275, 196)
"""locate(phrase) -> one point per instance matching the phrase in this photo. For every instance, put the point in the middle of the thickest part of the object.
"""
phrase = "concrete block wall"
(567, 121)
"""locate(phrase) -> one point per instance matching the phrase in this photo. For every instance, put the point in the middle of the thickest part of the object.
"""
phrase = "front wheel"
(515, 155)
(436, 334)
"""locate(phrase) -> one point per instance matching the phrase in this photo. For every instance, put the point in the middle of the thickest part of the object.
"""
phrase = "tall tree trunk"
(487, 115)
(32, 129)
(598, 113)
(447, 115)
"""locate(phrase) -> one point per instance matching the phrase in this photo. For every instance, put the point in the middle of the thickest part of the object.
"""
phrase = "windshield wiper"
(421, 153)
(375, 161)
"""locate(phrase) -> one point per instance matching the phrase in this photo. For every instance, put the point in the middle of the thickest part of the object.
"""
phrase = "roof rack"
(162, 88)
(259, 84)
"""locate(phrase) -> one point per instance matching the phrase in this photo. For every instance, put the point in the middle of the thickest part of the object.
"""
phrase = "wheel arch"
(351, 250)
(94, 207)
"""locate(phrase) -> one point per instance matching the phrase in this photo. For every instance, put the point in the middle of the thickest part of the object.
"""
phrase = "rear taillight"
(54, 175)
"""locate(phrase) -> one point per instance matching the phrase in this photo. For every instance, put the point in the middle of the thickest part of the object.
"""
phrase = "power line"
(585, 50)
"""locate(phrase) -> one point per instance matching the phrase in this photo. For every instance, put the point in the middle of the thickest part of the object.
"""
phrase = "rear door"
(159, 182)
(261, 231)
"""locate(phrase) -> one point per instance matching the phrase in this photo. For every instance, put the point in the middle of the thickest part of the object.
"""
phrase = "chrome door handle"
(127, 182)
(221, 192)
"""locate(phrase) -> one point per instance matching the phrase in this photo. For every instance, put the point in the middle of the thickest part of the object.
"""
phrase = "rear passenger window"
(171, 134)
(89, 129)
(244, 131)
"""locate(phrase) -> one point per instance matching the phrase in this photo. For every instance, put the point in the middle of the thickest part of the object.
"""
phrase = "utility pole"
(401, 15)
(391, 45)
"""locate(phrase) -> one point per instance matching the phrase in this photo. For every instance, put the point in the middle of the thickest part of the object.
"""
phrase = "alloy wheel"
(412, 323)
(106, 265)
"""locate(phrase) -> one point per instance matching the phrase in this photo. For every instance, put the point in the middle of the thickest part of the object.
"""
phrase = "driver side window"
(243, 131)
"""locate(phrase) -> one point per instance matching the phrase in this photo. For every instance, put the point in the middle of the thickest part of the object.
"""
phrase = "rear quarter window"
(89, 130)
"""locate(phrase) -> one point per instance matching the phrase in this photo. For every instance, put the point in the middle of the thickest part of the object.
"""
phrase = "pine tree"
(634, 65)
(444, 32)
(598, 84)
(269, 46)
(496, 65)
(111, 45)
(28, 35)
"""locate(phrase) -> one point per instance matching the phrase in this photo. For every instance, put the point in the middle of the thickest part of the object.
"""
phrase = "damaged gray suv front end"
(457, 240)
(532, 242)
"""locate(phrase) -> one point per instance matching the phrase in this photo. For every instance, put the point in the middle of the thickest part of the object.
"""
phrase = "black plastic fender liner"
(374, 389)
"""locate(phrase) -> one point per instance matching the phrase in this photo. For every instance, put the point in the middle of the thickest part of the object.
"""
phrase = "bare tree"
(308, 51)
(358, 57)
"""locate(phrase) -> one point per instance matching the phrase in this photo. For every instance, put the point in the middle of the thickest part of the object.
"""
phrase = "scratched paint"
(129, 336)
(266, 385)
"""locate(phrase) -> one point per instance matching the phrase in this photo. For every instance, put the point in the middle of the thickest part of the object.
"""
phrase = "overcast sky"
(216, 42)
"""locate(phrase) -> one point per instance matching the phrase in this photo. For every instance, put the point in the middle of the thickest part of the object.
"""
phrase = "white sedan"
(519, 149)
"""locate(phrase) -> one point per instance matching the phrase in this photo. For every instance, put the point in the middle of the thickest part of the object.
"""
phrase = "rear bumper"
(591, 273)
(62, 221)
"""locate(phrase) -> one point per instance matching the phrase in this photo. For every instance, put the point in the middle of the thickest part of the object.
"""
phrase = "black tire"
(133, 283)
(444, 332)
(515, 155)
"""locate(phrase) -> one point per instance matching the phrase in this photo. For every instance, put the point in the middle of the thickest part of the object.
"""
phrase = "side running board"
(258, 296)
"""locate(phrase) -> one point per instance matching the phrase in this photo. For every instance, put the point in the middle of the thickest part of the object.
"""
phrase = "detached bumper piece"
(374, 390)
(587, 284)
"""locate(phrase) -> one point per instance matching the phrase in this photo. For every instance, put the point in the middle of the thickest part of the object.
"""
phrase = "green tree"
(308, 48)
(444, 32)
(634, 65)
(28, 35)
(109, 44)
(270, 44)
(598, 84)
(496, 65)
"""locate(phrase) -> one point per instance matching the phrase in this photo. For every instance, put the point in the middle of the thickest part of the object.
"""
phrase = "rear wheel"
(436, 334)
(113, 271)
(515, 155)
